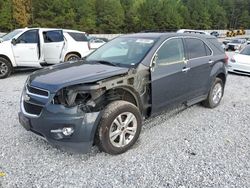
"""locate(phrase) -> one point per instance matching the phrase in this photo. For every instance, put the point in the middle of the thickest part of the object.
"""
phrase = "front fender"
(6, 52)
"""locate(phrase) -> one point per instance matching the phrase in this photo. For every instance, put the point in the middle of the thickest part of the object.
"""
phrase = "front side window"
(123, 51)
(171, 52)
(53, 36)
(197, 48)
(29, 37)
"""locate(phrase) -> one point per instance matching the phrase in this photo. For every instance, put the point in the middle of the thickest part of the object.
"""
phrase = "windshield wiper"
(107, 63)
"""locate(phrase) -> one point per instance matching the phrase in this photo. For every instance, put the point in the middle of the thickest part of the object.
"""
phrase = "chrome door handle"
(185, 69)
(210, 61)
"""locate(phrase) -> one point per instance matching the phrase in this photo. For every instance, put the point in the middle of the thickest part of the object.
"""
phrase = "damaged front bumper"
(67, 128)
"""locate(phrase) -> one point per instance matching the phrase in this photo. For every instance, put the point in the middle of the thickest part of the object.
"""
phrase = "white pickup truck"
(37, 47)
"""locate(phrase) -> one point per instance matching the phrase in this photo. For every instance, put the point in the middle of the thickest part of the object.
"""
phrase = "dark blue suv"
(103, 98)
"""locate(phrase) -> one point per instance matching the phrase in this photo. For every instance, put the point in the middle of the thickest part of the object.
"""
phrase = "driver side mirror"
(154, 61)
(14, 42)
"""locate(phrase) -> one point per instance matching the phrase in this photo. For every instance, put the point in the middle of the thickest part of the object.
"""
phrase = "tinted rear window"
(80, 37)
(53, 36)
(217, 44)
(196, 48)
(209, 52)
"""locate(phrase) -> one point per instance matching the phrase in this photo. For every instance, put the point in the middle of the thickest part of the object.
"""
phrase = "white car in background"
(240, 62)
(77, 44)
(96, 43)
(38, 47)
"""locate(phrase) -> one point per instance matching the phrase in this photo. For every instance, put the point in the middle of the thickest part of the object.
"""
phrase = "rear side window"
(53, 36)
(80, 37)
(197, 48)
(29, 37)
(209, 52)
(217, 44)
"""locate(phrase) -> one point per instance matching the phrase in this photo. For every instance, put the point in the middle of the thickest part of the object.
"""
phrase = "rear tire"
(119, 128)
(5, 68)
(215, 94)
(71, 57)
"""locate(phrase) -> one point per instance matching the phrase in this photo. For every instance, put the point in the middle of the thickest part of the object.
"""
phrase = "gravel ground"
(193, 147)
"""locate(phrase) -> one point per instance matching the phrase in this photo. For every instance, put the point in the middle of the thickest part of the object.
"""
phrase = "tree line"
(124, 16)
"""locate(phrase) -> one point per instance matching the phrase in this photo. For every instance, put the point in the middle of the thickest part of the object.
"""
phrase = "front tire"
(119, 128)
(5, 68)
(215, 94)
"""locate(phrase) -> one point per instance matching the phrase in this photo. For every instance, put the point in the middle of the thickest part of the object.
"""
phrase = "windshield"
(12, 34)
(123, 51)
(246, 51)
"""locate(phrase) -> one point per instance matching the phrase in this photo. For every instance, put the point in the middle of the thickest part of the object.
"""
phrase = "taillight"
(226, 59)
(89, 45)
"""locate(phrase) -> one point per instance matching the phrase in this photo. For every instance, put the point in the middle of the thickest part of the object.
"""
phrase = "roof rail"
(159, 31)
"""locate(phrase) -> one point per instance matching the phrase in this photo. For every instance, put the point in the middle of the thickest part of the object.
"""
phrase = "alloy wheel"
(3, 68)
(217, 93)
(123, 129)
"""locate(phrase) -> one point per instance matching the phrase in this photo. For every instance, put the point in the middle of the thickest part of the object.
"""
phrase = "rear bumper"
(52, 120)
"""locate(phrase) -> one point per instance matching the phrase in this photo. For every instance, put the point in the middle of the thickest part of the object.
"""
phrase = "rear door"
(169, 75)
(200, 62)
(53, 46)
(26, 49)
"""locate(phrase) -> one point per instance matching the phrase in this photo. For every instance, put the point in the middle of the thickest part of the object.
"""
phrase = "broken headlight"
(70, 97)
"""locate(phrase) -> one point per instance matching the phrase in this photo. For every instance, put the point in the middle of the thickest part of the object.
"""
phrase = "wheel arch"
(7, 58)
(128, 94)
(222, 76)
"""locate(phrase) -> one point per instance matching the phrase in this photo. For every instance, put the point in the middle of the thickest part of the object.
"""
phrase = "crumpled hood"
(62, 75)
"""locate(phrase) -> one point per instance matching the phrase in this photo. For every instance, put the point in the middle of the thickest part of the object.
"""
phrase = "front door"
(169, 75)
(53, 46)
(26, 49)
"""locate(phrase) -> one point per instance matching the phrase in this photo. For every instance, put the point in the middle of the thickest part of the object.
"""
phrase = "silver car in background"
(236, 44)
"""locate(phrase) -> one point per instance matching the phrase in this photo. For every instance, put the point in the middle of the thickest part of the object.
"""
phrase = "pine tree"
(85, 15)
(5, 15)
(21, 12)
(110, 16)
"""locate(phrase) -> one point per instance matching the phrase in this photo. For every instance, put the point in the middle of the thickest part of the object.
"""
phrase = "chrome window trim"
(163, 44)
(188, 37)
(183, 37)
